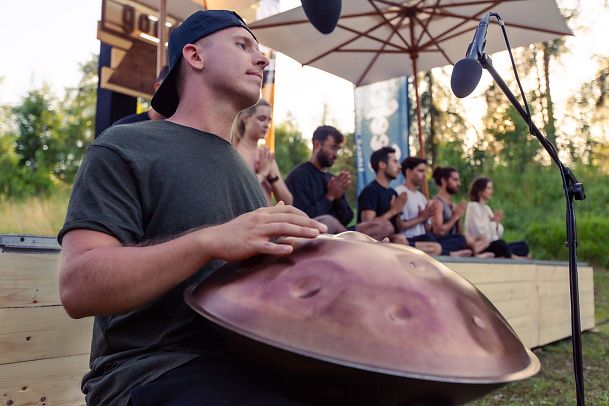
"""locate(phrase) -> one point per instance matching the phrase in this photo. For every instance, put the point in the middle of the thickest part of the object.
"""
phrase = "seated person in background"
(480, 220)
(151, 113)
(379, 201)
(446, 221)
(320, 194)
(418, 210)
(249, 126)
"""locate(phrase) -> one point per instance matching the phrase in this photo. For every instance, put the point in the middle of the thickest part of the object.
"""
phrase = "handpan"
(346, 318)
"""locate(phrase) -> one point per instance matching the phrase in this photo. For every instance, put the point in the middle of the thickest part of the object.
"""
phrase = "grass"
(555, 384)
(37, 215)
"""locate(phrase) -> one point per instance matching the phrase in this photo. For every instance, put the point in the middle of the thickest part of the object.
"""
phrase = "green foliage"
(592, 236)
(290, 148)
(43, 141)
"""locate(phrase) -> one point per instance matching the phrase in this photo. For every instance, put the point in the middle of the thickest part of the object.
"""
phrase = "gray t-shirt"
(144, 183)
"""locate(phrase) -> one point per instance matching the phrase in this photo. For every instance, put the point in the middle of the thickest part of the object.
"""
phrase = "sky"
(51, 38)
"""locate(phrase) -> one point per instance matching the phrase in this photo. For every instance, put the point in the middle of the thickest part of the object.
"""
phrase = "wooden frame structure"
(44, 353)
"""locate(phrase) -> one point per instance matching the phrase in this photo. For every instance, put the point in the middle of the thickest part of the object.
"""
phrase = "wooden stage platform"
(44, 353)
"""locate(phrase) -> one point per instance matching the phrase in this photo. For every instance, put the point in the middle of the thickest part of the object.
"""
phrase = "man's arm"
(342, 210)
(422, 217)
(99, 276)
(437, 221)
(301, 187)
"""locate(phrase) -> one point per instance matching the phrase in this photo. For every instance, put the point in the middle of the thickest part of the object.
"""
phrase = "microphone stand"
(574, 190)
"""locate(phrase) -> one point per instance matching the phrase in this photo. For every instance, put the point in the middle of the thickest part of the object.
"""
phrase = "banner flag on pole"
(381, 119)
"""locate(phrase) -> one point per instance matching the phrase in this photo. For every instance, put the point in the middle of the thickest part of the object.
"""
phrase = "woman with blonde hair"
(250, 126)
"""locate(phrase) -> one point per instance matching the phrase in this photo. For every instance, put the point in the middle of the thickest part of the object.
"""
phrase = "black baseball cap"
(196, 26)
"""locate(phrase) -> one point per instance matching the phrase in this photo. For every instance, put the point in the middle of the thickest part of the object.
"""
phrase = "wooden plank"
(560, 316)
(561, 272)
(559, 331)
(527, 330)
(54, 381)
(563, 302)
(479, 273)
(501, 292)
(35, 333)
(558, 288)
(28, 280)
(516, 308)
(16, 320)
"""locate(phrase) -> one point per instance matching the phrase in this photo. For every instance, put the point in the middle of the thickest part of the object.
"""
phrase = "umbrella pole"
(421, 153)
(160, 53)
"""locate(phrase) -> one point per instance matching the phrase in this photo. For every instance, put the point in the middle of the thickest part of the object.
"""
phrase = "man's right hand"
(428, 211)
(397, 203)
(459, 209)
(338, 185)
(251, 233)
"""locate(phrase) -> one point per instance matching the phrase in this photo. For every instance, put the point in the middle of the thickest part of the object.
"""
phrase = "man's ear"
(193, 56)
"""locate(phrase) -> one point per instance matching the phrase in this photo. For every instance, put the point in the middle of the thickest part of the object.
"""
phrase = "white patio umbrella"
(377, 40)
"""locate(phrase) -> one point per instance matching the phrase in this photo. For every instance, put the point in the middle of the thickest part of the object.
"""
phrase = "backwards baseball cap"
(198, 25)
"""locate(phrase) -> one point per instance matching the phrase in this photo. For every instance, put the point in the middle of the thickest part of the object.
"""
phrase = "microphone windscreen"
(465, 77)
(323, 14)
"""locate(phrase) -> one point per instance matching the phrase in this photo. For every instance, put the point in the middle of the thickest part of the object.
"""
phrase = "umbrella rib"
(257, 26)
(426, 25)
(465, 19)
(393, 28)
(378, 53)
(473, 3)
(318, 57)
(528, 27)
(437, 44)
(362, 34)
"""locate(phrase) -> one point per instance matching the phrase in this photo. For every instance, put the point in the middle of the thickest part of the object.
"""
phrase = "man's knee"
(377, 228)
(334, 226)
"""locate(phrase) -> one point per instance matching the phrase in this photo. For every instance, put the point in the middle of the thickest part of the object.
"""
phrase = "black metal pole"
(573, 190)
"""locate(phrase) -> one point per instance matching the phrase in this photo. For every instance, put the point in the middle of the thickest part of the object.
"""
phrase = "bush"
(547, 240)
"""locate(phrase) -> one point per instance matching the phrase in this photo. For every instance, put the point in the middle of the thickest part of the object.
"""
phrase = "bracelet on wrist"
(272, 179)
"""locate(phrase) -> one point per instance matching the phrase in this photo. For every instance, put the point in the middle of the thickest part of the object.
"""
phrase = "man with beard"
(415, 224)
(446, 221)
(158, 206)
(321, 195)
(316, 191)
(378, 200)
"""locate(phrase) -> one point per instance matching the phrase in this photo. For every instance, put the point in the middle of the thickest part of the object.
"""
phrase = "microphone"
(468, 71)
(323, 14)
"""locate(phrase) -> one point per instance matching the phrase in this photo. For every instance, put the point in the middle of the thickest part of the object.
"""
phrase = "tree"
(442, 117)
(290, 148)
(504, 126)
(78, 126)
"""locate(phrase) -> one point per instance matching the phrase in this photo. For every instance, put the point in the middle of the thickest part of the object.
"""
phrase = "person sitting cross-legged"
(480, 220)
(379, 200)
(447, 220)
(415, 219)
(321, 194)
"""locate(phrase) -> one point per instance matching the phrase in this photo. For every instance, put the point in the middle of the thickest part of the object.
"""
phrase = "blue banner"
(381, 119)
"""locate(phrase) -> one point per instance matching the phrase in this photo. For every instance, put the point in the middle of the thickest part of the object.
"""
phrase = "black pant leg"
(500, 248)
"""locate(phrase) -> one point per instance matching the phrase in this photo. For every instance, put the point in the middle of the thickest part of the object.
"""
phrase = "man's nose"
(262, 61)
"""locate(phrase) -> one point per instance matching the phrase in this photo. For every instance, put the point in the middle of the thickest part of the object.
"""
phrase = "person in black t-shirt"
(321, 194)
(379, 201)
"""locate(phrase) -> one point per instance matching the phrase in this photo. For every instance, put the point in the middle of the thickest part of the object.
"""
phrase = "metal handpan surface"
(385, 308)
